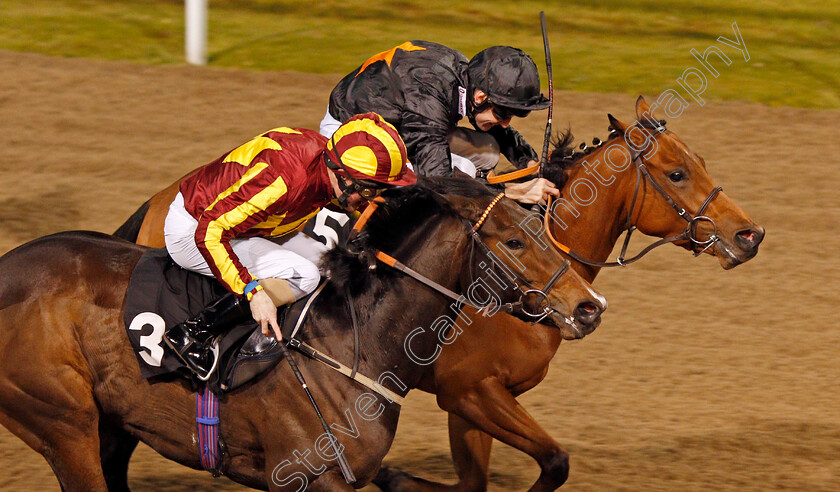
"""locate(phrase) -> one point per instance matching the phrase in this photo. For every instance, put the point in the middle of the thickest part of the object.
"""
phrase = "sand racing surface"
(698, 378)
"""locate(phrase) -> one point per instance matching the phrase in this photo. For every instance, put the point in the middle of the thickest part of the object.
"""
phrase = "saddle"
(161, 294)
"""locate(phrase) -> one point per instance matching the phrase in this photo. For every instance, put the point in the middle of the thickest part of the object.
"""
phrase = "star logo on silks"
(387, 56)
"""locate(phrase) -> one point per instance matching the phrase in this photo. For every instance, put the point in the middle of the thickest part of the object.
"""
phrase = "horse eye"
(676, 176)
(515, 244)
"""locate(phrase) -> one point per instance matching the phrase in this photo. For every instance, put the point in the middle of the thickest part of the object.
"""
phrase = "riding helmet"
(366, 147)
(509, 77)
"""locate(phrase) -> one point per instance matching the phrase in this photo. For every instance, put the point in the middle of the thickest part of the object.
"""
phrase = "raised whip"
(544, 159)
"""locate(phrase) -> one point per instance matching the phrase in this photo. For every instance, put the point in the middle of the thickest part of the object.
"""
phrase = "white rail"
(195, 31)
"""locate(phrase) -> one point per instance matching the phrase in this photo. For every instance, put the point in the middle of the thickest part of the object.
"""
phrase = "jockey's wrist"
(252, 288)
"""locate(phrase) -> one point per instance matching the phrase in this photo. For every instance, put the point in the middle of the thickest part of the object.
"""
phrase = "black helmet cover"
(509, 77)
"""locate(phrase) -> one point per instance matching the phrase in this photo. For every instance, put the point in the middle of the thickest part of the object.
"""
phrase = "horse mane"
(405, 211)
(563, 157)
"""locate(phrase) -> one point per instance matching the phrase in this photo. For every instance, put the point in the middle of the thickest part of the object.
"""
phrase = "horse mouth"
(573, 329)
(729, 257)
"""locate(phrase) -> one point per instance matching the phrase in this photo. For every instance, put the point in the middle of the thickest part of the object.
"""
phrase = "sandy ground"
(698, 378)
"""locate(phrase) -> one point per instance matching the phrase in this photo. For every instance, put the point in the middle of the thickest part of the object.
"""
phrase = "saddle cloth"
(161, 294)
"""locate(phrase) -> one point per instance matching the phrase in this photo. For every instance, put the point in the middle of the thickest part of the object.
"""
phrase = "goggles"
(504, 113)
(365, 189)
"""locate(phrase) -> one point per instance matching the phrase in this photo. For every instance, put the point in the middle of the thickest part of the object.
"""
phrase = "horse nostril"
(749, 239)
(587, 311)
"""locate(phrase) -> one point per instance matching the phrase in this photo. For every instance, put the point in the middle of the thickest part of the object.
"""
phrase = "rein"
(519, 305)
(511, 307)
(687, 234)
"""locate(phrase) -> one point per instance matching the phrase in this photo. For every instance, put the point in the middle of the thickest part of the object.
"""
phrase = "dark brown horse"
(71, 389)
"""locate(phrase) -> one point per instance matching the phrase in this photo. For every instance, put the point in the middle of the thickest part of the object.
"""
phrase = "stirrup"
(196, 369)
(182, 355)
(215, 350)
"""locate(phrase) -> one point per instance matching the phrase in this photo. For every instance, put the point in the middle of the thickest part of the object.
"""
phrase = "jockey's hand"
(265, 313)
(530, 192)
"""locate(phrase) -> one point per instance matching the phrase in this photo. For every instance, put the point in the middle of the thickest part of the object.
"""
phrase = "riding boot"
(191, 340)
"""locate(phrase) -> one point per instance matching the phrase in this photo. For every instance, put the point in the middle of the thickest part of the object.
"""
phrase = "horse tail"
(131, 228)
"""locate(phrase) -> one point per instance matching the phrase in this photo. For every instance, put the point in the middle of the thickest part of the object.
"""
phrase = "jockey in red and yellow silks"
(267, 187)
(219, 221)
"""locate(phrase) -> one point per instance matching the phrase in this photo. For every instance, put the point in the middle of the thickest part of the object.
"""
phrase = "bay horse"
(478, 390)
(593, 232)
(70, 386)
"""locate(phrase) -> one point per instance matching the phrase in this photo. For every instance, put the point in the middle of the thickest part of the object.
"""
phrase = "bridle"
(688, 234)
(525, 288)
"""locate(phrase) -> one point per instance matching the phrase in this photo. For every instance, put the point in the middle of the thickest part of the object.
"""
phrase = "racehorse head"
(661, 187)
(495, 264)
(682, 175)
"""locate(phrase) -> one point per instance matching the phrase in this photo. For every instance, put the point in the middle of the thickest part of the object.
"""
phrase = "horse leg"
(115, 449)
(74, 458)
(68, 439)
(470, 452)
(51, 407)
(76, 468)
(490, 407)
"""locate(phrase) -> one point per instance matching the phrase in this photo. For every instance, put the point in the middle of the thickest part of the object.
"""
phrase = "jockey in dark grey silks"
(424, 89)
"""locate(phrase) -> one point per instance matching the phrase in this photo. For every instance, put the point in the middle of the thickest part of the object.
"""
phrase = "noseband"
(519, 306)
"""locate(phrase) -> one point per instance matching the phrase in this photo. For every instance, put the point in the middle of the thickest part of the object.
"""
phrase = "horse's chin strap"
(541, 295)
(686, 235)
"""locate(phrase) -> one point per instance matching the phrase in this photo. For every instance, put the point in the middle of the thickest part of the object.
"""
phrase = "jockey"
(268, 187)
(424, 89)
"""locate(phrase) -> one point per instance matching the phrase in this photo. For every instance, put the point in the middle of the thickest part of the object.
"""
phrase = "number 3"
(151, 342)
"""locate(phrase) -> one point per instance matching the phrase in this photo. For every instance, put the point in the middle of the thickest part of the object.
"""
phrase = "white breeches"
(263, 258)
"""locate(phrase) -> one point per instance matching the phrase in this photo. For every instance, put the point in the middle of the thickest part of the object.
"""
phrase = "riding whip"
(544, 159)
(342, 461)
(492, 178)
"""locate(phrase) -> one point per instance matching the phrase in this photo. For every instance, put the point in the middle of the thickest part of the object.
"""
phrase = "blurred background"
(698, 378)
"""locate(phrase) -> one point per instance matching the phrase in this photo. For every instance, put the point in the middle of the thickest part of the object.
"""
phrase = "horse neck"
(592, 229)
(390, 311)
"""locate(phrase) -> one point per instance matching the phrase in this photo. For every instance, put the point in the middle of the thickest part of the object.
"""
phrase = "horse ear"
(643, 112)
(617, 125)
(465, 207)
